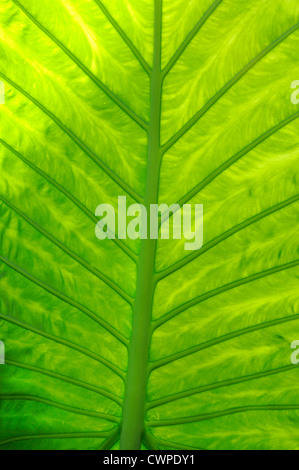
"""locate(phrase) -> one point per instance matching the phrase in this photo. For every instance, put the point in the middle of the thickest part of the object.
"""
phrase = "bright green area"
(122, 344)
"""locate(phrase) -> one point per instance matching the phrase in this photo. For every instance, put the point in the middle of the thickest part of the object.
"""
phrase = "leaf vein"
(226, 383)
(29, 437)
(236, 334)
(225, 236)
(220, 414)
(190, 37)
(224, 90)
(122, 339)
(64, 378)
(66, 343)
(70, 196)
(176, 311)
(70, 253)
(61, 406)
(126, 39)
(84, 69)
(114, 177)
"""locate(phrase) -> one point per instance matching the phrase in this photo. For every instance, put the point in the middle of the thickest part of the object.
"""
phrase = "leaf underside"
(141, 344)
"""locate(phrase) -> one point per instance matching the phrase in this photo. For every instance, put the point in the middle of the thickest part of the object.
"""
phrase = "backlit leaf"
(141, 344)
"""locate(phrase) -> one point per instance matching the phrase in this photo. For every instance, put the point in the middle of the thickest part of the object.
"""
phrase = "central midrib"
(134, 408)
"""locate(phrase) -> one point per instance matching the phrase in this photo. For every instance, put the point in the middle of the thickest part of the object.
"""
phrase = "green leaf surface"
(140, 344)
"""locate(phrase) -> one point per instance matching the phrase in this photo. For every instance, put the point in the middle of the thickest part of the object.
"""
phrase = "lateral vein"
(84, 69)
(224, 90)
(113, 176)
(190, 37)
(225, 236)
(64, 378)
(203, 184)
(29, 437)
(236, 334)
(226, 383)
(126, 39)
(61, 406)
(176, 311)
(155, 443)
(122, 339)
(66, 343)
(70, 253)
(208, 416)
(70, 196)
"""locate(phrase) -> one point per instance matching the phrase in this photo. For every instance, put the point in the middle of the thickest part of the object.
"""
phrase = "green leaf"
(141, 344)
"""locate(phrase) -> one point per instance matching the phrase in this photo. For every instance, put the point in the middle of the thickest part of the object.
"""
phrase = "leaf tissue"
(140, 344)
